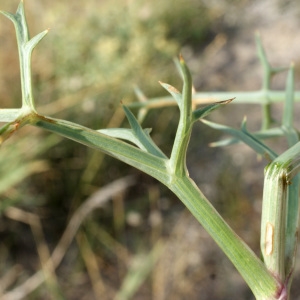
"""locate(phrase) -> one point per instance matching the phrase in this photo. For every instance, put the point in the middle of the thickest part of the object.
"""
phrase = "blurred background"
(131, 239)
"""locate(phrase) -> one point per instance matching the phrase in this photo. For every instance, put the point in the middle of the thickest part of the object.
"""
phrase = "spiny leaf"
(10, 16)
(186, 104)
(204, 111)
(261, 135)
(261, 53)
(35, 40)
(178, 66)
(246, 137)
(125, 134)
(20, 23)
(225, 142)
(256, 144)
(139, 133)
(173, 91)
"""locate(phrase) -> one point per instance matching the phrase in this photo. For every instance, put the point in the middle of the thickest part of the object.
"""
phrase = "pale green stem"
(254, 272)
(276, 250)
(292, 224)
(274, 219)
(171, 172)
(148, 163)
(293, 188)
(199, 98)
(177, 162)
(260, 281)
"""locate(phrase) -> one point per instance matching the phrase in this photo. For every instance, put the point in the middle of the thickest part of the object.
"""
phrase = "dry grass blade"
(43, 251)
(91, 264)
(96, 200)
(9, 278)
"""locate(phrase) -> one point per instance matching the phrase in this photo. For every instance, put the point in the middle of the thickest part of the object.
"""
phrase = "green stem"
(274, 219)
(261, 282)
(25, 48)
(254, 97)
(153, 165)
(280, 202)
(177, 162)
(252, 269)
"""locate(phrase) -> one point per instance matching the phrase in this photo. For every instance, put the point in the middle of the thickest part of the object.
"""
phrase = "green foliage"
(270, 279)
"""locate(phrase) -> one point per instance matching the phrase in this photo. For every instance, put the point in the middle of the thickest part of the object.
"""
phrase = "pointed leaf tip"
(182, 61)
(171, 89)
(204, 111)
(142, 136)
(226, 101)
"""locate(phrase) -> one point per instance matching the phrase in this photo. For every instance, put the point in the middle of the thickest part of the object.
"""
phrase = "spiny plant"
(268, 278)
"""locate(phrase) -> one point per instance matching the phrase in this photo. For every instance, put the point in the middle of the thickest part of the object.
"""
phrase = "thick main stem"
(279, 227)
(252, 269)
(260, 281)
(274, 219)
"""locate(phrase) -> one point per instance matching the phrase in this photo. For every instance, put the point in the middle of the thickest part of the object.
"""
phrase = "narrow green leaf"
(21, 19)
(25, 47)
(178, 66)
(186, 91)
(8, 15)
(204, 111)
(263, 58)
(153, 165)
(269, 133)
(140, 134)
(125, 134)
(20, 23)
(261, 135)
(177, 163)
(173, 91)
(35, 40)
(225, 142)
(246, 137)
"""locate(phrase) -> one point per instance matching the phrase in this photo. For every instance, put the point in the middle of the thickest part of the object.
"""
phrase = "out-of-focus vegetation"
(94, 55)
